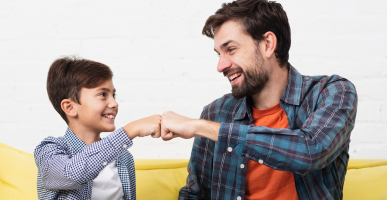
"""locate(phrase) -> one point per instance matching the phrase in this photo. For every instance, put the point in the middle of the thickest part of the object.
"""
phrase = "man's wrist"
(207, 129)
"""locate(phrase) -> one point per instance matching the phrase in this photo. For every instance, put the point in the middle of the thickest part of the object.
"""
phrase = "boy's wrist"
(129, 129)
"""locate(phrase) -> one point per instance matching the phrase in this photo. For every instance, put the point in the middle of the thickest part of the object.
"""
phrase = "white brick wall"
(162, 62)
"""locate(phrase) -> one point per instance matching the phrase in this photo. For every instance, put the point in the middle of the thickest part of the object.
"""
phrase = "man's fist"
(174, 125)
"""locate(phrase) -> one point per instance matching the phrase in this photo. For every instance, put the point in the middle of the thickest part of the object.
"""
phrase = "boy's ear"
(69, 107)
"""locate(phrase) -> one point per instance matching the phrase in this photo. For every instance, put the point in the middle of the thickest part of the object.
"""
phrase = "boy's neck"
(85, 134)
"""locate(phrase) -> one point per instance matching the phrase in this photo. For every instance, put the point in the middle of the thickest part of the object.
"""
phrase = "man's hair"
(68, 75)
(257, 17)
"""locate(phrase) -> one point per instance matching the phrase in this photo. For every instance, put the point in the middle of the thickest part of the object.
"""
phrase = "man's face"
(240, 60)
(98, 108)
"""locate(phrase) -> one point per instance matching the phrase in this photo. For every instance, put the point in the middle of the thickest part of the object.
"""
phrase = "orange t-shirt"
(264, 182)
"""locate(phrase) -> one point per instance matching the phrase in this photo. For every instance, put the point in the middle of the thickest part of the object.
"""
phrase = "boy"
(81, 165)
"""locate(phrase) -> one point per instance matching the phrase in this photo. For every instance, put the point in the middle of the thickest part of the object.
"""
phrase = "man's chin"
(238, 95)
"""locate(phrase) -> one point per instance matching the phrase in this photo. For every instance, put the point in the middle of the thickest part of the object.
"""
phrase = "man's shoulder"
(323, 79)
(322, 82)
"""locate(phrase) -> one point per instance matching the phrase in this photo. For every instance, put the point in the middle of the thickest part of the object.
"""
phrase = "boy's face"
(98, 108)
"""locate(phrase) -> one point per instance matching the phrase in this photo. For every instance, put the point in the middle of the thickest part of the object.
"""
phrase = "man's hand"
(144, 127)
(174, 125)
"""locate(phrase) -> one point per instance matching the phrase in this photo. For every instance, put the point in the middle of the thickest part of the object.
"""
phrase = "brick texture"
(162, 62)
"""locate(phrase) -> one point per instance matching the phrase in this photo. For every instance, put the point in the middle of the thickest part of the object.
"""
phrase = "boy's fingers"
(156, 132)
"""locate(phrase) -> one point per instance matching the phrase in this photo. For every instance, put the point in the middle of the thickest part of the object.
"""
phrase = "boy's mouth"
(109, 116)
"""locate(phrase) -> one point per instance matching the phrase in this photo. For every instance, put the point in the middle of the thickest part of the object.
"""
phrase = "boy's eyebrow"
(107, 89)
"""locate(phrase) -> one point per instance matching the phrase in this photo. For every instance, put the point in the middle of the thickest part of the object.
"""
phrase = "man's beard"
(254, 81)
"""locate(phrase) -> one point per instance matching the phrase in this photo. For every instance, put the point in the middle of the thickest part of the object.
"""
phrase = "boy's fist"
(144, 127)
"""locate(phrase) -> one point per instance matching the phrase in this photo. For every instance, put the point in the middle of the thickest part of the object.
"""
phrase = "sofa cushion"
(17, 174)
(163, 178)
(160, 178)
(365, 179)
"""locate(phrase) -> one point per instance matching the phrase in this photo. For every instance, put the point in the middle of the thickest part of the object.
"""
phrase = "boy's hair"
(256, 17)
(68, 75)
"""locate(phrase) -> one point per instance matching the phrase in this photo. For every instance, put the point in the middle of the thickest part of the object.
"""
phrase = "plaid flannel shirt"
(67, 166)
(321, 111)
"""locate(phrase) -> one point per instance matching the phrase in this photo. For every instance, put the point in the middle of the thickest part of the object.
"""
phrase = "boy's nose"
(223, 63)
(113, 104)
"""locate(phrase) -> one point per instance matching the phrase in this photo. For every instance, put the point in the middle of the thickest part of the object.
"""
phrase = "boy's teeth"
(109, 116)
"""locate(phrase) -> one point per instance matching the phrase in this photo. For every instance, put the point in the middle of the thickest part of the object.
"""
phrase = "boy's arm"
(60, 170)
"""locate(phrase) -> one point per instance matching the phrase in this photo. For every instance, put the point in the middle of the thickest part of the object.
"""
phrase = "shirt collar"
(291, 95)
(76, 144)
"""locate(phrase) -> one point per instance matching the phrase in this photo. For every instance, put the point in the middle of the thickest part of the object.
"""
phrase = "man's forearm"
(207, 129)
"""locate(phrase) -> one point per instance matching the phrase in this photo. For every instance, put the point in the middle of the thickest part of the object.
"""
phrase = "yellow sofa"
(162, 179)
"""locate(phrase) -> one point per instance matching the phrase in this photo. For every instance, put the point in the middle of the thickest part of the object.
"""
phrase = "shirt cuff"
(120, 140)
(232, 138)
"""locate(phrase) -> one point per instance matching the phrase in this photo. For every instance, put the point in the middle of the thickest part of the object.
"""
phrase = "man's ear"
(270, 43)
(69, 107)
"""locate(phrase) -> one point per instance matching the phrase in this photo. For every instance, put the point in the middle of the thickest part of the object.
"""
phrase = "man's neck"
(85, 134)
(272, 92)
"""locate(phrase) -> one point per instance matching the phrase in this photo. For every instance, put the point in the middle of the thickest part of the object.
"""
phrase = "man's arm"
(318, 142)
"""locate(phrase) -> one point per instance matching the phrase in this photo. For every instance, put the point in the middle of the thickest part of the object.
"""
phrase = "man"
(280, 135)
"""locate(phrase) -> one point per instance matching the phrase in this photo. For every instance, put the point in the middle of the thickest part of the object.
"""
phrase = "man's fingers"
(168, 136)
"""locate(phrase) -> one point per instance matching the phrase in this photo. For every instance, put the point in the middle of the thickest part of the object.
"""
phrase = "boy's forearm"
(130, 131)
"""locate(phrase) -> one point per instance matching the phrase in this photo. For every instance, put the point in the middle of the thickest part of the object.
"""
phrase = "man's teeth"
(109, 116)
(234, 76)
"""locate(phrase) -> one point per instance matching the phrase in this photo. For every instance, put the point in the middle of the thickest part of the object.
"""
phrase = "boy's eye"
(103, 94)
(114, 95)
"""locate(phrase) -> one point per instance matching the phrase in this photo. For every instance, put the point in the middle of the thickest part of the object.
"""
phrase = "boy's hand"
(144, 127)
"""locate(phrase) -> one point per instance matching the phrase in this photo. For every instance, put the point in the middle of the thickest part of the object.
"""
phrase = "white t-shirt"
(108, 184)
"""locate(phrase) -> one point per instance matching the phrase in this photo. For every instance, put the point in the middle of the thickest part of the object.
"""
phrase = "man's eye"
(231, 49)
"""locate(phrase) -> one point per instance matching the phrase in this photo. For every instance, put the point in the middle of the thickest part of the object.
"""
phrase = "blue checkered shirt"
(67, 166)
(321, 111)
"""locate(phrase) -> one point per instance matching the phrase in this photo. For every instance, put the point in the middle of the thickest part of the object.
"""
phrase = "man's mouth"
(234, 76)
(109, 116)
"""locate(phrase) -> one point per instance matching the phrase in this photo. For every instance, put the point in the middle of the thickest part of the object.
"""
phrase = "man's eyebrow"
(224, 45)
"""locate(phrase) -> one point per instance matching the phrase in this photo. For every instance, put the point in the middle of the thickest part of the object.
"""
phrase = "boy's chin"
(109, 129)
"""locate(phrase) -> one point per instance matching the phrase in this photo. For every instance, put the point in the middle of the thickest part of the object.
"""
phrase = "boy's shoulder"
(53, 144)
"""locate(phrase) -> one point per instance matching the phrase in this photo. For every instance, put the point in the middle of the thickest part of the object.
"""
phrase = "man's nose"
(223, 63)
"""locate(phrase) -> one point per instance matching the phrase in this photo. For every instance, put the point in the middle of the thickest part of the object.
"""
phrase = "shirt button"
(125, 146)
(104, 163)
(239, 198)
(229, 149)
(260, 161)
(242, 166)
